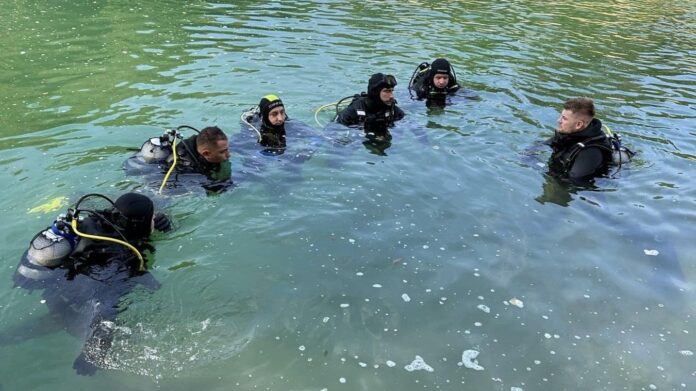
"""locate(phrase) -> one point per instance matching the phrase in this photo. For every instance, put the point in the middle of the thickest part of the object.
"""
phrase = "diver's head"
(380, 88)
(138, 213)
(212, 144)
(440, 73)
(576, 115)
(272, 111)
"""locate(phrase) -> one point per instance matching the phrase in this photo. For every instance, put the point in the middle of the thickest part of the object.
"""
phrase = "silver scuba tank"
(155, 150)
(48, 249)
(620, 156)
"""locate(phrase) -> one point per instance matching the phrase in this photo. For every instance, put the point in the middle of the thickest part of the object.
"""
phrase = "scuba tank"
(619, 153)
(51, 246)
(158, 149)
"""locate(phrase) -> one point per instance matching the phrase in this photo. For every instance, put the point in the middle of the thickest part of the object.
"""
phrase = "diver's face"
(218, 153)
(277, 116)
(570, 122)
(440, 80)
(386, 95)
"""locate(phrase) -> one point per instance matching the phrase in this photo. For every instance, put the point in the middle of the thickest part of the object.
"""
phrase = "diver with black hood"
(375, 110)
(85, 262)
(434, 82)
(268, 120)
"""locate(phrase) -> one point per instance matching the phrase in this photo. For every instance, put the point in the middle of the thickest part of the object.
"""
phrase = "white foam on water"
(345, 305)
(326, 319)
(516, 389)
(484, 308)
(362, 364)
(301, 348)
(469, 360)
(418, 364)
(376, 285)
(651, 253)
(391, 364)
(342, 380)
(516, 302)
(686, 352)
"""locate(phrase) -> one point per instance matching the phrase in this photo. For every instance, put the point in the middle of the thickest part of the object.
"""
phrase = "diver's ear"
(205, 153)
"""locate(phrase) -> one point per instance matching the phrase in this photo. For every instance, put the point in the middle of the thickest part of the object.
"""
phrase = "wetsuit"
(423, 86)
(190, 161)
(425, 90)
(581, 155)
(375, 116)
(85, 282)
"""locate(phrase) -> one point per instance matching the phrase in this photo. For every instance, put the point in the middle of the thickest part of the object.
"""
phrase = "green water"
(295, 279)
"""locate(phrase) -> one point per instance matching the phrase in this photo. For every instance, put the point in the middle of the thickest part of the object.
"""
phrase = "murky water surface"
(339, 271)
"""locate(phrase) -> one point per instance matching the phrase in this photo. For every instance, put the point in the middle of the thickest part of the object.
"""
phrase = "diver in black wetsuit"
(581, 149)
(86, 262)
(206, 153)
(375, 110)
(434, 82)
(272, 113)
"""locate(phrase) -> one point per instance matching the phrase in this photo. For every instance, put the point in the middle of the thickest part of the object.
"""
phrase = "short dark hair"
(209, 136)
(582, 106)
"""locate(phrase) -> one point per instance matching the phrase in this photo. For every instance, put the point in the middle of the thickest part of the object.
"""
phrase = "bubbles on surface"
(469, 360)
(418, 364)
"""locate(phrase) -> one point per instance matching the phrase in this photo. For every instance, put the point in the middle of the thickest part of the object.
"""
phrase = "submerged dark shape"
(83, 279)
(261, 146)
(202, 160)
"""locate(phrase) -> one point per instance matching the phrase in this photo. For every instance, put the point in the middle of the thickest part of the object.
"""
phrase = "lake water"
(334, 273)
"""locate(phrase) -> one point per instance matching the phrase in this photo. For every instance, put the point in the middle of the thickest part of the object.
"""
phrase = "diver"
(269, 137)
(206, 152)
(376, 111)
(434, 82)
(581, 149)
(268, 120)
(86, 261)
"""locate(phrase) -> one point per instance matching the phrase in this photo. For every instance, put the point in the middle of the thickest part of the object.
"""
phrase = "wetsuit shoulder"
(350, 115)
(587, 163)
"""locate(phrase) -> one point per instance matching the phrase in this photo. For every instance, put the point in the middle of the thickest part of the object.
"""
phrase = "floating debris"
(651, 252)
(405, 298)
(345, 305)
(469, 360)
(516, 302)
(484, 308)
(50, 206)
(391, 364)
(418, 364)
(376, 285)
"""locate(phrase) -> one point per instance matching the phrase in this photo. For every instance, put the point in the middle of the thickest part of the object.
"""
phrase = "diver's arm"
(348, 116)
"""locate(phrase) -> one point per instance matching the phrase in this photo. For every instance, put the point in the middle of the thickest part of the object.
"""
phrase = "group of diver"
(102, 245)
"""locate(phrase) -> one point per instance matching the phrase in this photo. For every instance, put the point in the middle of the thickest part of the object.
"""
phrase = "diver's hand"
(162, 222)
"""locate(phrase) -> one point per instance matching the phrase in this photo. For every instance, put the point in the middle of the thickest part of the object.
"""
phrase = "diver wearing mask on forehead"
(86, 261)
(434, 82)
(375, 110)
